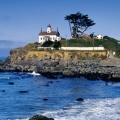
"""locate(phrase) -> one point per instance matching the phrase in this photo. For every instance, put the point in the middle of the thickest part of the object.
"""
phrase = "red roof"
(51, 33)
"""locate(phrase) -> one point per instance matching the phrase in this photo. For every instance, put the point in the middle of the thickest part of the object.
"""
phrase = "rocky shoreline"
(60, 63)
(91, 69)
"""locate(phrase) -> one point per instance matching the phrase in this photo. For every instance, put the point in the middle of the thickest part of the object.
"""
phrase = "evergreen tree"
(78, 23)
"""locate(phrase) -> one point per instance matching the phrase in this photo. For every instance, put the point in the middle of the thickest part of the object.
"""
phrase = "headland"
(53, 62)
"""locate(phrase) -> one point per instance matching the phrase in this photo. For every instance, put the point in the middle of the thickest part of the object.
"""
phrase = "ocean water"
(24, 98)
(3, 58)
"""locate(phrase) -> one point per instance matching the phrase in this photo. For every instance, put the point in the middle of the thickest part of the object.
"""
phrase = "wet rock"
(23, 91)
(69, 73)
(40, 117)
(11, 83)
(79, 99)
(45, 99)
(2, 90)
(49, 75)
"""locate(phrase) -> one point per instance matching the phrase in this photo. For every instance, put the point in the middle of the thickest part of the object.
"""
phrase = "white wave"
(6, 78)
(95, 109)
(34, 73)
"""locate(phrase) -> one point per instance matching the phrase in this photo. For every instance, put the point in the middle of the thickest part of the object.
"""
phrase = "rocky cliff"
(67, 63)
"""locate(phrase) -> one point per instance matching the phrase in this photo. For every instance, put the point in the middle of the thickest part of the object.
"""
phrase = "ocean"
(3, 58)
(22, 94)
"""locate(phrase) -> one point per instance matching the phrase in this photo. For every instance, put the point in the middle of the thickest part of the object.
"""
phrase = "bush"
(47, 44)
(57, 44)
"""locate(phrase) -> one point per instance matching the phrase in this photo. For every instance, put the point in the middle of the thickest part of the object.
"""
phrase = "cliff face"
(23, 56)
(17, 55)
(22, 59)
(68, 63)
(72, 54)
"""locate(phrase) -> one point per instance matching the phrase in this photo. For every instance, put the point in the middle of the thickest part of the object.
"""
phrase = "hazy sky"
(21, 20)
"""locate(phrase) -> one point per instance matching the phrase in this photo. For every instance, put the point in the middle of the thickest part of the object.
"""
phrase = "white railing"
(74, 48)
(82, 48)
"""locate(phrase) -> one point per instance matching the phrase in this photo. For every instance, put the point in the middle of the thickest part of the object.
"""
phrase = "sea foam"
(91, 109)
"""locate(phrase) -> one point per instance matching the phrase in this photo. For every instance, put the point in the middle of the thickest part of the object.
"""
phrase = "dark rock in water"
(45, 99)
(50, 81)
(49, 75)
(40, 117)
(2, 90)
(47, 85)
(69, 73)
(80, 99)
(11, 83)
(23, 91)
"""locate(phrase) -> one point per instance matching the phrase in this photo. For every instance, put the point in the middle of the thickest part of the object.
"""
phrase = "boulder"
(45, 99)
(79, 99)
(23, 91)
(69, 73)
(40, 117)
(11, 83)
(2, 91)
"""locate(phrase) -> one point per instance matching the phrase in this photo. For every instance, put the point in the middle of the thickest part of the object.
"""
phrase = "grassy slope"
(110, 44)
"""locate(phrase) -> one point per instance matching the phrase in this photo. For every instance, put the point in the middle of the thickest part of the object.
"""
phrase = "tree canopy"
(78, 23)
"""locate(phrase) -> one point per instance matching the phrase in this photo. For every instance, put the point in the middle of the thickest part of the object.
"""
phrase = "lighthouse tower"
(49, 29)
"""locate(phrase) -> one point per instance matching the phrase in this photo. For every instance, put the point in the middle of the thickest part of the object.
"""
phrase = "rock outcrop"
(49, 63)
(40, 117)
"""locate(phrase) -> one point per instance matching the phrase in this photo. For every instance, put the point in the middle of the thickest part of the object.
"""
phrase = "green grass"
(31, 46)
(108, 43)
(76, 43)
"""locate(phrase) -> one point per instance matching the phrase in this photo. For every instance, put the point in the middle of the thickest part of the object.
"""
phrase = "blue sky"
(21, 20)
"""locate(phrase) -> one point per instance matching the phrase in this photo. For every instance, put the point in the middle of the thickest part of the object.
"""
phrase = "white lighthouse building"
(49, 35)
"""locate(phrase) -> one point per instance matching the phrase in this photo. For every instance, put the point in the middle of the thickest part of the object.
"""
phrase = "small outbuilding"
(99, 36)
